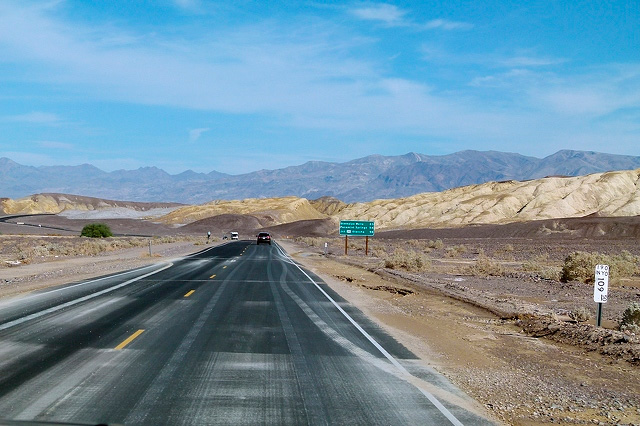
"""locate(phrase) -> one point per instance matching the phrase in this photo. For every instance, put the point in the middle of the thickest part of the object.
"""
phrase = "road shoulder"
(517, 379)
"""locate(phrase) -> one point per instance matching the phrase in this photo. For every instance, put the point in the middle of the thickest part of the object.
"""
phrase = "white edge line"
(90, 281)
(79, 300)
(403, 370)
(125, 272)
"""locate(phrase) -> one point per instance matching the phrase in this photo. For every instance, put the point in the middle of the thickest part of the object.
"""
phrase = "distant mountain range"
(364, 179)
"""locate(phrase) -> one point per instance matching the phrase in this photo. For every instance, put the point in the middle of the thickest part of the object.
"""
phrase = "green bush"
(96, 230)
(580, 266)
(631, 318)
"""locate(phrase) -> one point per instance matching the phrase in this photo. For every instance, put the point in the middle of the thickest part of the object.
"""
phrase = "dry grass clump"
(29, 250)
(580, 315)
(411, 261)
(542, 266)
(580, 266)
(437, 244)
(455, 251)
(485, 267)
(631, 318)
(317, 241)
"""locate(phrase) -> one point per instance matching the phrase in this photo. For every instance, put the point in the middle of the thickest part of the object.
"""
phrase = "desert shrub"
(455, 251)
(96, 230)
(580, 266)
(536, 264)
(484, 267)
(379, 252)
(580, 315)
(541, 266)
(437, 244)
(408, 260)
(311, 241)
(631, 318)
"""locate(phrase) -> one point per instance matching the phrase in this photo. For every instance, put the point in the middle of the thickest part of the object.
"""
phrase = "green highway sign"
(357, 228)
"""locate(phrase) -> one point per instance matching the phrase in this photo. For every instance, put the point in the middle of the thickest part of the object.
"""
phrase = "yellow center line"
(189, 293)
(213, 276)
(129, 339)
(224, 267)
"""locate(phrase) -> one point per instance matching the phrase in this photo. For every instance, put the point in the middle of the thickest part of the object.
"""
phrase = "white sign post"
(600, 289)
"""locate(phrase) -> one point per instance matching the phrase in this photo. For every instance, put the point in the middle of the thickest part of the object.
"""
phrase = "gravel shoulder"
(42, 274)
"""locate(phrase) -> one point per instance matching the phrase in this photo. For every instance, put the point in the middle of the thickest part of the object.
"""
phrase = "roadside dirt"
(43, 273)
(519, 379)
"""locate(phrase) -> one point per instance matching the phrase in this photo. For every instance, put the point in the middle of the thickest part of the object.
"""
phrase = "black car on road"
(264, 237)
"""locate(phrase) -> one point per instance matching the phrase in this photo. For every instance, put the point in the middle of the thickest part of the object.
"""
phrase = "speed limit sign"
(601, 284)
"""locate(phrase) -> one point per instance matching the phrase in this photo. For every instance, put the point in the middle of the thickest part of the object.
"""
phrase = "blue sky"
(248, 85)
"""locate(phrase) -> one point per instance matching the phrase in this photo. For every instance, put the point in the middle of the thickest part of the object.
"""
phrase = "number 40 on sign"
(601, 284)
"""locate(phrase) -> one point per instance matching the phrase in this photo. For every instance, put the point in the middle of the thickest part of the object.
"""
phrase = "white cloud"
(35, 117)
(194, 134)
(386, 13)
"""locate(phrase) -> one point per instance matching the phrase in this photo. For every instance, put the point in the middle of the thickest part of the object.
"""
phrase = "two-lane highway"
(236, 334)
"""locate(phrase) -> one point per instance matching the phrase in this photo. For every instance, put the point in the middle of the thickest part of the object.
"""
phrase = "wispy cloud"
(35, 117)
(55, 145)
(531, 61)
(445, 24)
(194, 134)
(189, 5)
(386, 13)
(393, 16)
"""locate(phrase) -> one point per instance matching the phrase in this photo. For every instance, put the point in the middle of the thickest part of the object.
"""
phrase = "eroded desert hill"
(606, 194)
(57, 203)
(269, 211)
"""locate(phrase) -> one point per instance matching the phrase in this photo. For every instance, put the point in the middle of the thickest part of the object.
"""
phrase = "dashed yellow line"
(213, 276)
(224, 267)
(129, 339)
(189, 293)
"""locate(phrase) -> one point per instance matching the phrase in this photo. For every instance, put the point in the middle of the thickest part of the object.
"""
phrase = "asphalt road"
(236, 334)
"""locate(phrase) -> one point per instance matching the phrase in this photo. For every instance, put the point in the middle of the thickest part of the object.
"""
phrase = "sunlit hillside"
(272, 211)
(607, 194)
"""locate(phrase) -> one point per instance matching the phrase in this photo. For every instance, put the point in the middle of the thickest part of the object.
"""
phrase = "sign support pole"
(599, 315)
(366, 246)
(346, 244)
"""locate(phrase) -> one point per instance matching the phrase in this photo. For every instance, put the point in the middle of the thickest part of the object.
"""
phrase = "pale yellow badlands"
(43, 203)
(274, 210)
(609, 194)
